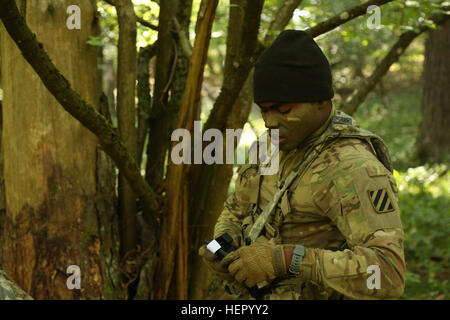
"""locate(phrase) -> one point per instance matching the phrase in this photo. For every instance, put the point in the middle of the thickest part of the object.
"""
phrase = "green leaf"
(95, 41)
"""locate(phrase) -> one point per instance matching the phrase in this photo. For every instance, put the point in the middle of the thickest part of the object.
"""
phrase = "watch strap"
(297, 257)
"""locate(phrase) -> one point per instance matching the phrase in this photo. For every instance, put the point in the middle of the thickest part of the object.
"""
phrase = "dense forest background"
(86, 173)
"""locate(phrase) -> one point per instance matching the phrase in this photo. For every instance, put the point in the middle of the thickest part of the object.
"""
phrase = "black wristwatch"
(297, 257)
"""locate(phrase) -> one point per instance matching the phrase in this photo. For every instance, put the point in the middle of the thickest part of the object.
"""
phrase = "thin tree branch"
(282, 19)
(71, 101)
(146, 24)
(186, 46)
(394, 54)
(143, 94)
(343, 17)
(184, 41)
(138, 19)
(332, 23)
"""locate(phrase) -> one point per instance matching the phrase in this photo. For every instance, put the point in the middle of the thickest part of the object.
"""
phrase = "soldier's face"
(296, 121)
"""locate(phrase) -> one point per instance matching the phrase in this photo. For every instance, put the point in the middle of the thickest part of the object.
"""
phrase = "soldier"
(11, 291)
(337, 216)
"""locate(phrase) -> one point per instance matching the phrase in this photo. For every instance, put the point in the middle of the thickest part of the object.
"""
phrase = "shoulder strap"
(347, 128)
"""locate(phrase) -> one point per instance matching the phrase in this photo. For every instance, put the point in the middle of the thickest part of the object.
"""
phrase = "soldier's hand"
(216, 265)
(256, 263)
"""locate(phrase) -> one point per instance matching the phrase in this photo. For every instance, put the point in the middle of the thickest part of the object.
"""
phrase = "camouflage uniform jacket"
(10, 290)
(343, 209)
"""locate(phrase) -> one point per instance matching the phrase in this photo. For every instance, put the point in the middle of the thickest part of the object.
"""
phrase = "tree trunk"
(173, 242)
(126, 118)
(2, 179)
(433, 141)
(209, 207)
(51, 217)
(160, 115)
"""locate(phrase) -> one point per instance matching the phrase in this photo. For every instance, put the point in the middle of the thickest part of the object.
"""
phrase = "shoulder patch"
(342, 120)
(381, 200)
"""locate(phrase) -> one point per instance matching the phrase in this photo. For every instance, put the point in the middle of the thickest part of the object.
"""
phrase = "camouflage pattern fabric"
(343, 209)
(11, 291)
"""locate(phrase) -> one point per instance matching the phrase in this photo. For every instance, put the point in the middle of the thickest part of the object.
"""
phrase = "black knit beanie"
(292, 69)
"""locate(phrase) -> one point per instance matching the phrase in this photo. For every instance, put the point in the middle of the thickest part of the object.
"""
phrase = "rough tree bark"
(50, 161)
(71, 101)
(433, 141)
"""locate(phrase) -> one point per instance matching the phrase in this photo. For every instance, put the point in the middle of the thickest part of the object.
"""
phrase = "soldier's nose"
(270, 120)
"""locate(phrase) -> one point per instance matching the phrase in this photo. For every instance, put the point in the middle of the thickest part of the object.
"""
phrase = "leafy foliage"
(424, 201)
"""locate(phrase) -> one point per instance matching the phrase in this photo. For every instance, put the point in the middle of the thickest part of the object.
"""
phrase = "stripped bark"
(174, 222)
(52, 220)
(71, 101)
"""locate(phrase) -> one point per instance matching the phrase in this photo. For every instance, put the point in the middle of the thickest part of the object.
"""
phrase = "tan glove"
(214, 264)
(256, 263)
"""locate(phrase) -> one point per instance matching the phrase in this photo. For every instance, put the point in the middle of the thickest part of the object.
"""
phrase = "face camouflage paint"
(296, 121)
